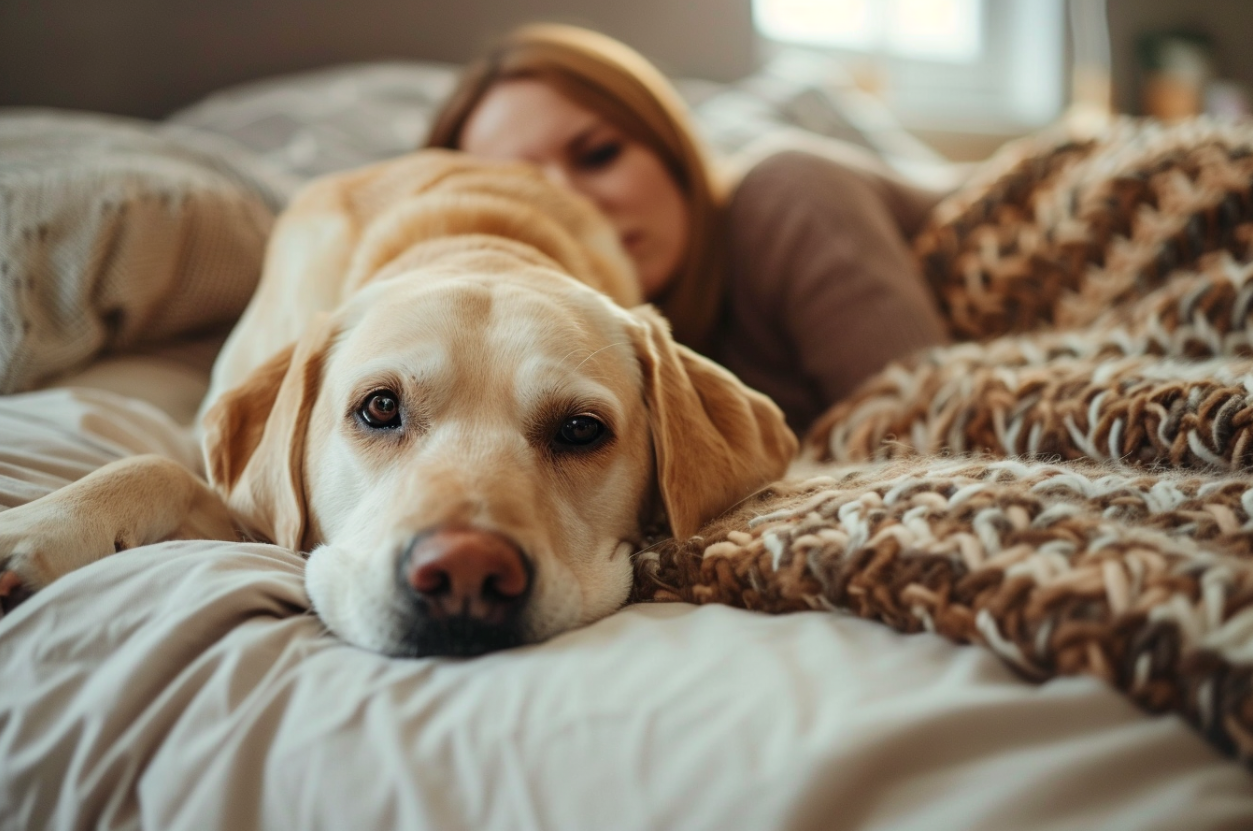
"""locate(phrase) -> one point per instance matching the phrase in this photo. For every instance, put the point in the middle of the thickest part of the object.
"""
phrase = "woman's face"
(526, 119)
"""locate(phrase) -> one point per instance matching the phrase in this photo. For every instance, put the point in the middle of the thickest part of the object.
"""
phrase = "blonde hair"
(616, 82)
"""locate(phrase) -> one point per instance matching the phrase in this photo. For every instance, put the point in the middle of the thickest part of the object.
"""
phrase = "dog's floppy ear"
(254, 438)
(716, 441)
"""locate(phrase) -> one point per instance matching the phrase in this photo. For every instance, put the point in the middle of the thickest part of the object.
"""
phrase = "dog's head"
(473, 460)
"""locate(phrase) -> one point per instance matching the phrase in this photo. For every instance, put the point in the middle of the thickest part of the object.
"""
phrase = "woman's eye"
(600, 156)
(579, 432)
(380, 410)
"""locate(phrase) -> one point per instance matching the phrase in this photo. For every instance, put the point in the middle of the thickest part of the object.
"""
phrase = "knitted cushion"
(1059, 488)
(113, 234)
(1134, 250)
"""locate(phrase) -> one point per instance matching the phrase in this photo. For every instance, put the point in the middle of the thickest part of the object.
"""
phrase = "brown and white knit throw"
(1070, 486)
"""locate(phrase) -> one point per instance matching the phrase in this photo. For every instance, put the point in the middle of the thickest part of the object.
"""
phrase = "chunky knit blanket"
(1068, 484)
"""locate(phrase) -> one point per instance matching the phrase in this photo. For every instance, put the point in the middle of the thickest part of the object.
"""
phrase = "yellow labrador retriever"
(442, 391)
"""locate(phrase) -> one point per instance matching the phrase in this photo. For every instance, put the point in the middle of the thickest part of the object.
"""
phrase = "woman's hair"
(612, 80)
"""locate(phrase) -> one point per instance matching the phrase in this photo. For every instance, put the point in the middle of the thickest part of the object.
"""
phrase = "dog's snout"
(466, 572)
(466, 589)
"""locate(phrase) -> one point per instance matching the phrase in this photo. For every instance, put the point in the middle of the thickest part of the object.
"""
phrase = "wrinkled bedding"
(187, 685)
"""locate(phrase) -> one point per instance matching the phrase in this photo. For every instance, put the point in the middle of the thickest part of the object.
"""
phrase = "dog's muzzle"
(462, 592)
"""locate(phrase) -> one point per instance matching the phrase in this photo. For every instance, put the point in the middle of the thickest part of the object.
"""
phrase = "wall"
(148, 57)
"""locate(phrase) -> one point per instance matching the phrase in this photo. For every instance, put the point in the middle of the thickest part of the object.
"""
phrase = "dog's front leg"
(131, 502)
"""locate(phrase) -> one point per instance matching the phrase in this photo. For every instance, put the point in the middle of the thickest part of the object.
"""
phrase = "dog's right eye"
(380, 410)
(581, 432)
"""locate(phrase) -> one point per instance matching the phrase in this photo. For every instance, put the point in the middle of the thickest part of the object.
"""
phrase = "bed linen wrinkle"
(66, 433)
(598, 735)
(911, 759)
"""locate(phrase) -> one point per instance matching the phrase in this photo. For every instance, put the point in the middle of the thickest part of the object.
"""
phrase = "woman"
(797, 277)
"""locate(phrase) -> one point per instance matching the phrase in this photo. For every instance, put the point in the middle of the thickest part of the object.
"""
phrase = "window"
(993, 64)
(944, 30)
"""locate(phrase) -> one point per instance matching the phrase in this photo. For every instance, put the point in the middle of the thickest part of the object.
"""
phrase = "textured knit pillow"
(1107, 286)
(1056, 230)
(112, 234)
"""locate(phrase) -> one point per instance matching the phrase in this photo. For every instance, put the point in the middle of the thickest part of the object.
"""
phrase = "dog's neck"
(424, 230)
(463, 253)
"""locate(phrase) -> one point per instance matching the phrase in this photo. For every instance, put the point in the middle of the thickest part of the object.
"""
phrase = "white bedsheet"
(186, 686)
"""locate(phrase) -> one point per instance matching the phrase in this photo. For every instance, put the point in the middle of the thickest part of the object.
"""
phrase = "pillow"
(322, 121)
(318, 122)
(115, 233)
(800, 99)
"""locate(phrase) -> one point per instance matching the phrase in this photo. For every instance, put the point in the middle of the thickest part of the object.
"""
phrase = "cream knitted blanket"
(114, 234)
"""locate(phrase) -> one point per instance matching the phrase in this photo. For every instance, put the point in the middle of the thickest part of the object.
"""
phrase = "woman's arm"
(823, 289)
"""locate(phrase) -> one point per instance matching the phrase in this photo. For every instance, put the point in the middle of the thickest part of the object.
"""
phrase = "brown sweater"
(822, 288)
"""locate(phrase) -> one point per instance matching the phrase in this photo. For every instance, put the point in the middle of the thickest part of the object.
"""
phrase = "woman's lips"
(632, 239)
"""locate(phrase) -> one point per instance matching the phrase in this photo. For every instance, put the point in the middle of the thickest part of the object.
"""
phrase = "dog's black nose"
(467, 588)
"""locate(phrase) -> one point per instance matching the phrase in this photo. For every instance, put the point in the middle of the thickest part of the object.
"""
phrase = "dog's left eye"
(578, 432)
(380, 410)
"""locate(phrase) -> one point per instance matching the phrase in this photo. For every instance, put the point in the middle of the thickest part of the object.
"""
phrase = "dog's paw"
(44, 540)
(12, 590)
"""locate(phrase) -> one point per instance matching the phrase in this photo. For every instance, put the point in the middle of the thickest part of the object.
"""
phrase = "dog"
(445, 389)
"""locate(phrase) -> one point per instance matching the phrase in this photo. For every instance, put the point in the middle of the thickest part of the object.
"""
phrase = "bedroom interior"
(1009, 583)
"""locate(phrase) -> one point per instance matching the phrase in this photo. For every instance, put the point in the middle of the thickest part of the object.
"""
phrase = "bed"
(187, 684)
